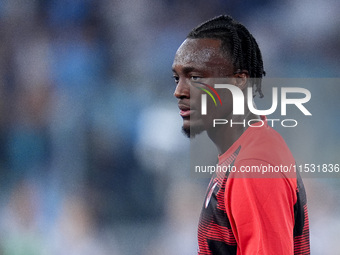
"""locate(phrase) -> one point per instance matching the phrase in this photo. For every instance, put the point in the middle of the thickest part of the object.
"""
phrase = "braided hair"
(237, 43)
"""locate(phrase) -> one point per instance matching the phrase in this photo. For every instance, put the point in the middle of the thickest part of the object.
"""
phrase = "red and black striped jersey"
(255, 212)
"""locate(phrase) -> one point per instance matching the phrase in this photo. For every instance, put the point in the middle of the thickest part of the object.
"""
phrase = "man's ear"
(241, 80)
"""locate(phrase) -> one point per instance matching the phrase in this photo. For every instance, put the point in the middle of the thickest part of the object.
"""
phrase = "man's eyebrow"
(186, 69)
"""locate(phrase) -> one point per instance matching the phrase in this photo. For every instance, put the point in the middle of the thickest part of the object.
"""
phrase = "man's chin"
(191, 132)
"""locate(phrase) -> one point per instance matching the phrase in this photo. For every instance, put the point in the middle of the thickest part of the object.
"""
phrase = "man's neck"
(224, 136)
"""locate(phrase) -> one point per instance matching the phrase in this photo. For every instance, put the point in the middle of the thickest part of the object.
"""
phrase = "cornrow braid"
(238, 43)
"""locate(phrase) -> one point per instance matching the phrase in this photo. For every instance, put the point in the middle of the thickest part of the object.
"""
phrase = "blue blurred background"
(92, 159)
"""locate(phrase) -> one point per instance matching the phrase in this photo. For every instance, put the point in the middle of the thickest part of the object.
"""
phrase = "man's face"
(200, 61)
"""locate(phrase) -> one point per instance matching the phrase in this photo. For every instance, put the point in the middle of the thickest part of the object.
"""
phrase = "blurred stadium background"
(92, 160)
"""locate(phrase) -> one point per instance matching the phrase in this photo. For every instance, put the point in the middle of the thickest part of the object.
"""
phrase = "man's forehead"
(199, 51)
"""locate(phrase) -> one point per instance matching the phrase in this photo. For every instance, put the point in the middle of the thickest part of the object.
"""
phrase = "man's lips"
(185, 110)
(185, 114)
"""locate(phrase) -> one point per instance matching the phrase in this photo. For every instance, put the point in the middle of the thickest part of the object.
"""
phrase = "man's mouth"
(184, 110)
(185, 114)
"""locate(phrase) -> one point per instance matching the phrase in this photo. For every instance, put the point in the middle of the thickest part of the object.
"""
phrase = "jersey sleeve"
(261, 212)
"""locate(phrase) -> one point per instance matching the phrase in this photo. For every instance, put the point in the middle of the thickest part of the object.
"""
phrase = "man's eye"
(176, 78)
(195, 78)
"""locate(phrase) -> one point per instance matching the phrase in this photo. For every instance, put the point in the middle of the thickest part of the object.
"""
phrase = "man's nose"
(182, 90)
